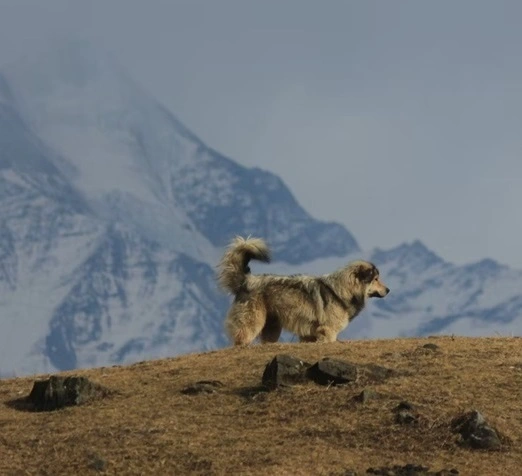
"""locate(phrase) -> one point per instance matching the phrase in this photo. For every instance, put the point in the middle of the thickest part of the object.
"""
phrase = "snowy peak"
(134, 161)
(411, 251)
(113, 216)
(62, 75)
(130, 297)
(415, 256)
(27, 165)
(485, 268)
(224, 199)
(77, 84)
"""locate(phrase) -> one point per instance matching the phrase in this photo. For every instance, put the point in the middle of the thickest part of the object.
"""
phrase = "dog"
(315, 308)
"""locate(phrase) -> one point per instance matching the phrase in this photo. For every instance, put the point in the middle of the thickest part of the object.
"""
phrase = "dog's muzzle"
(378, 295)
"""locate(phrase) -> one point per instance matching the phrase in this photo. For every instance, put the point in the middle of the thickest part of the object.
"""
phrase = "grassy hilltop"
(152, 423)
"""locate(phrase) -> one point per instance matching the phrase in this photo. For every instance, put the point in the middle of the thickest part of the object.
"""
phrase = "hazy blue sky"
(400, 119)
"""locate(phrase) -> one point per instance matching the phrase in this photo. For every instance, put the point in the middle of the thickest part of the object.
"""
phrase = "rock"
(396, 470)
(405, 414)
(203, 386)
(58, 392)
(284, 370)
(406, 418)
(476, 432)
(426, 349)
(409, 470)
(97, 463)
(366, 395)
(253, 394)
(431, 346)
(332, 372)
(404, 405)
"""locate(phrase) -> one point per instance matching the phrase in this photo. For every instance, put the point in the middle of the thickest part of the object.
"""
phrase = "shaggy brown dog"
(316, 308)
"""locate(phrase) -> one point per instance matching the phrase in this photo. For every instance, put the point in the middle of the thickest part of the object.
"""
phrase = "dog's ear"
(365, 274)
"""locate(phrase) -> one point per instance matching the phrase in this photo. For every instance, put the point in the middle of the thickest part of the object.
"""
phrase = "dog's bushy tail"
(233, 268)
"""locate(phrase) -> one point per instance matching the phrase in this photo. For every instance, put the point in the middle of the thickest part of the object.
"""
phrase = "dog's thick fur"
(316, 308)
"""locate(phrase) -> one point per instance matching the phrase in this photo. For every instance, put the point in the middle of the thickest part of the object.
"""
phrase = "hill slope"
(148, 426)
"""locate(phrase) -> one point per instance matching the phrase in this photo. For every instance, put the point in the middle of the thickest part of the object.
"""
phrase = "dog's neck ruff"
(336, 296)
(357, 303)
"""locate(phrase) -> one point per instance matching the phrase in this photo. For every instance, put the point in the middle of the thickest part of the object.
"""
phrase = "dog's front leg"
(326, 335)
(307, 339)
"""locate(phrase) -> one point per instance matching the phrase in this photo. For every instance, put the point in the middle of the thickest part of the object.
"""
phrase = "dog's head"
(367, 274)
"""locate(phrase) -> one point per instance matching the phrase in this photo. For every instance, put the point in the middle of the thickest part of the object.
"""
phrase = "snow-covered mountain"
(113, 216)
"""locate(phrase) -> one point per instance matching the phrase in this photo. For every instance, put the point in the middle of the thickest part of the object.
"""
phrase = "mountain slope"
(131, 298)
(123, 144)
(45, 229)
(433, 296)
(113, 216)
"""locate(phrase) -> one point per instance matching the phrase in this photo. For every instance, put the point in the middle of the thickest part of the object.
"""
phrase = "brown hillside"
(148, 426)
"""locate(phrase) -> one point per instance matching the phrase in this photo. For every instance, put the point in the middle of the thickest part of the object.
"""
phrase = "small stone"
(409, 470)
(476, 432)
(284, 370)
(332, 372)
(203, 386)
(404, 405)
(397, 470)
(431, 346)
(97, 463)
(405, 414)
(58, 392)
(406, 418)
(366, 395)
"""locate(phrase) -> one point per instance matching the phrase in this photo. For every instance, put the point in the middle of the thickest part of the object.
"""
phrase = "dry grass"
(149, 427)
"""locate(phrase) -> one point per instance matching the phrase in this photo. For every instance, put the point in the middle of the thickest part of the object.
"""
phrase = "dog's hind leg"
(245, 321)
(272, 330)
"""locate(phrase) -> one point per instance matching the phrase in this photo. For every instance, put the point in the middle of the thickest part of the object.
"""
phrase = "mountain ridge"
(114, 216)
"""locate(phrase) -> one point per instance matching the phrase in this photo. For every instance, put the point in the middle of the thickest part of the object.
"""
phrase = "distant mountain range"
(114, 215)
